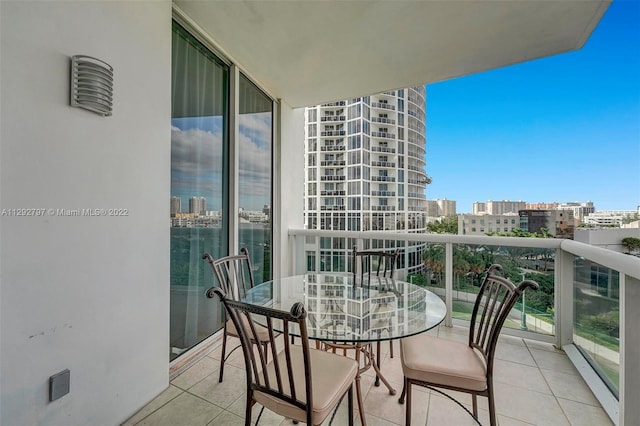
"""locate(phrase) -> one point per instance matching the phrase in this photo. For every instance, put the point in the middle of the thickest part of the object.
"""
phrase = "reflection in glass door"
(255, 138)
(199, 182)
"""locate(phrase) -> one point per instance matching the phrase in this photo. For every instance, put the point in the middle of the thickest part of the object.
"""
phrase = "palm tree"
(433, 258)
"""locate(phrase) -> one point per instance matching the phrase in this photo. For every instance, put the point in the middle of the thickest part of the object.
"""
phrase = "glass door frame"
(233, 203)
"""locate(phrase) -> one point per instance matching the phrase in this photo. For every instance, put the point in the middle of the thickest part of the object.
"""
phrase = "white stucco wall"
(608, 238)
(89, 294)
(290, 159)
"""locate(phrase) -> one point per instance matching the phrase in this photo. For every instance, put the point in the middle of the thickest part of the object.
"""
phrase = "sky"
(562, 128)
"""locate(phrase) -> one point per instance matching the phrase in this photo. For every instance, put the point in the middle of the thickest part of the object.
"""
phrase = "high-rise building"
(176, 205)
(198, 205)
(365, 169)
(498, 207)
(440, 208)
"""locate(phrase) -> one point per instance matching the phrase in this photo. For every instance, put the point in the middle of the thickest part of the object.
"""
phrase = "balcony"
(332, 148)
(535, 381)
(331, 178)
(533, 371)
(333, 104)
(419, 129)
(589, 291)
(333, 133)
(333, 163)
(382, 105)
(417, 140)
(130, 364)
(383, 120)
(383, 149)
(416, 195)
(382, 164)
(383, 193)
(383, 179)
(333, 118)
(383, 135)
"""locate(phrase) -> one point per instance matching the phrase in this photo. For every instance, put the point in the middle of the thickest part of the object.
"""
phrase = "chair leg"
(407, 416)
(404, 391)
(377, 382)
(224, 350)
(350, 404)
(391, 348)
(474, 400)
(492, 407)
(247, 414)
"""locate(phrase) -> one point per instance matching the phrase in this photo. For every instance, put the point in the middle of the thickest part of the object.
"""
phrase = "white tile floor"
(535, 384)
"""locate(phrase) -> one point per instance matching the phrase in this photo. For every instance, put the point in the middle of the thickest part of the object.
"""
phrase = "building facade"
(365, 171)
(580, 209)
(557, 222)
(482, 224)
(610, 218)
(441, 208)
(198, 205)
(498, 207)
(176, 205)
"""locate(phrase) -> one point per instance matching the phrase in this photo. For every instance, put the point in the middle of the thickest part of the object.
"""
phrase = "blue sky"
(563, 128)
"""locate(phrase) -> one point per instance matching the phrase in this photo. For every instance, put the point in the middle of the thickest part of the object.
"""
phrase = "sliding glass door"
(199, 182)
(255, 176)
(205, 183)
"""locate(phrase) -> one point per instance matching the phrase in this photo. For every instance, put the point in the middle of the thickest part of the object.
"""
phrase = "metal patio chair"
(300, 383)
(435, 362)
(236, 278)
(372, 263)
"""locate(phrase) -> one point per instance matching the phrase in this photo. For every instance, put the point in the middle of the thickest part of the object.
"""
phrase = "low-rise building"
(557, 222)
(471, 224)
(608, 218)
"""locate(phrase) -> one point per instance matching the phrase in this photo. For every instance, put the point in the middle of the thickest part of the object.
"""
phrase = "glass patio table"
(347, 315)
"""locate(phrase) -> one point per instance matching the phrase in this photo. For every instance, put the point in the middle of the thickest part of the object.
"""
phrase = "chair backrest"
(233, 273)
(278, 381)
(495, 300)
(370, 262)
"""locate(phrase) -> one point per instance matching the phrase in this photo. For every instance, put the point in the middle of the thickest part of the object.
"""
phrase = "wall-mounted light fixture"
(91, 84)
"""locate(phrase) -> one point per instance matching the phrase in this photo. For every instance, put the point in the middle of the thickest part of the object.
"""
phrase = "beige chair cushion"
(331, 377)
(263, 333)
(442, 362)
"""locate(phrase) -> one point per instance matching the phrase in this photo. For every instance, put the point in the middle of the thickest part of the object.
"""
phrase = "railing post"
(448, 283)
(629, 349)
(564, 297)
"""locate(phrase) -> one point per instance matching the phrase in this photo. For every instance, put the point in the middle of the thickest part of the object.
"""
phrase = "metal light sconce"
(92, 84)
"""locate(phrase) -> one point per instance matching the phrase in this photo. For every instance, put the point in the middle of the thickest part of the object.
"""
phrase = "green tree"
(433, 258)
(631, 244)
(446, 225)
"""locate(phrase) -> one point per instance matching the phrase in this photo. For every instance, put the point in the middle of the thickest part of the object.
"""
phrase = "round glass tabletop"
(337, 310)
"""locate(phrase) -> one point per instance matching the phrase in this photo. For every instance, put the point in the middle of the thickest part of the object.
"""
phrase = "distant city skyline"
(564, 128)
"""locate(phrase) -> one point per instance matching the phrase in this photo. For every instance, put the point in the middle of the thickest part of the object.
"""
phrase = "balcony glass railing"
(587, 304)
(596, 329)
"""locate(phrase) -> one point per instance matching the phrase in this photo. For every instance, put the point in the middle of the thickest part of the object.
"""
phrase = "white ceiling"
(308, 52)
